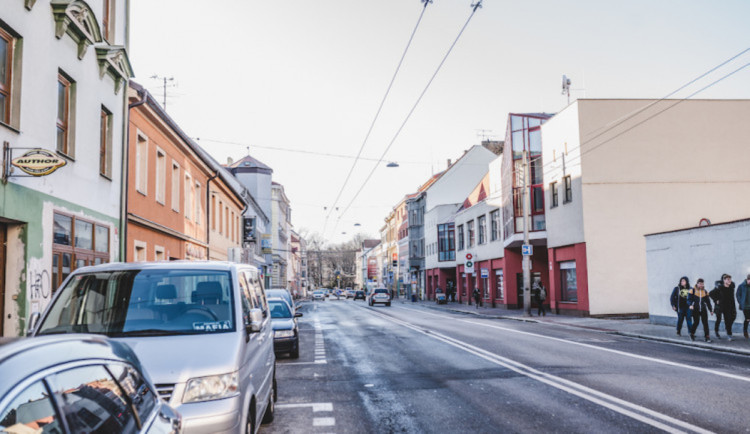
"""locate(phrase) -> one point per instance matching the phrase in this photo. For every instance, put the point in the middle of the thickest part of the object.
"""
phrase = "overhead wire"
(377, 114)
(408, 116)
(620, 121)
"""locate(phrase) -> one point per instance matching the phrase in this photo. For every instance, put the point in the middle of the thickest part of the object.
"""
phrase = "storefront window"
(84, 234)
(63, 228)
(76, 243)
(569, 283)
(499, 284)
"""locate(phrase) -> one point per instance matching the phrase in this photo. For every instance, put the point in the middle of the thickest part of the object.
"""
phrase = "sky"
(299, 82)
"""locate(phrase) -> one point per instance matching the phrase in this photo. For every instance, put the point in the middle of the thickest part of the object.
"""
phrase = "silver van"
(202, 330)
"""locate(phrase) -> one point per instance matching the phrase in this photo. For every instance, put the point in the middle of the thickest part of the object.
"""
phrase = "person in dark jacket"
(679, 301)
(477, 297)
(723, 297)
(743, 298)
(700, 305)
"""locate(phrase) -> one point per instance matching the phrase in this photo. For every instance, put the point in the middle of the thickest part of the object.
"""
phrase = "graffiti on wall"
(39, 286)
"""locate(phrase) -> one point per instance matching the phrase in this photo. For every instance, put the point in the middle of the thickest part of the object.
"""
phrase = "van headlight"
(210, 388)
(283, 333)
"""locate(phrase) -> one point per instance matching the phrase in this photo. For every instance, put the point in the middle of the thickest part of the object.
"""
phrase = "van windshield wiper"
(147, 332)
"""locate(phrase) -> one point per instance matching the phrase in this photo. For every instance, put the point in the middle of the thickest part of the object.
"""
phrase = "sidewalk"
(637, 328)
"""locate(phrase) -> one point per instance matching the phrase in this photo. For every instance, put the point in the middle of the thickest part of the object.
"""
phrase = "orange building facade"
(178, 204)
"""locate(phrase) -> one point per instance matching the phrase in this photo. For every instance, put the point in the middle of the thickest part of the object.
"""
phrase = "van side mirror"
(255, 321)
(32, 323)
(297, 314)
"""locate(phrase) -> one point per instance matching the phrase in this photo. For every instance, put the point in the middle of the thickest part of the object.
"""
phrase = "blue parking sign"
(527, 250)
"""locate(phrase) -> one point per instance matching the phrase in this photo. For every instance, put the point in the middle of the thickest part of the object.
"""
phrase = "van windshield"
(144, 303)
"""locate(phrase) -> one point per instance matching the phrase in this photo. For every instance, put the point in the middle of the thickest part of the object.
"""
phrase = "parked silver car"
(202, 330)
(78, 383)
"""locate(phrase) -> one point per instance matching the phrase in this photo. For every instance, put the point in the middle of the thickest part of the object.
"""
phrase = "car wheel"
(295, 352)
(388, 303)
(250, 423)
(269, 414)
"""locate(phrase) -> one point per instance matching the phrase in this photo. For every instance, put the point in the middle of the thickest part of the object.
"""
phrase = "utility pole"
(526, 258)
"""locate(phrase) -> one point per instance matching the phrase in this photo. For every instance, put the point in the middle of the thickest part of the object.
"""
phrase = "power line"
(377, 114)
(474, 9)
(609, 127)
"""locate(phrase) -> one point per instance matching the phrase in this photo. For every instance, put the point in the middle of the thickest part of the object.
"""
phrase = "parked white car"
(379, 295)
(202, 330)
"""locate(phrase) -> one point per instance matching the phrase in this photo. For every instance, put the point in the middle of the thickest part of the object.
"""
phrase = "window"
(7, 45)
(198, 210)
(175, 187)
(161, 176)
(495, 222)
(226, 221)
(188, 197)
(553, 194)
(76, 243)
(460, 237)
(446, 242)
(213, 212)
(500, 291)
(31, 411)
(159, 253)
(568, 281)
(482, 223)
(105, 142)
(568, 189)
(470, 230)
(107, 21)
(230, 234)
(221, 217)
(141, 164)
(63, 114)
(140, 251)
(92, 401)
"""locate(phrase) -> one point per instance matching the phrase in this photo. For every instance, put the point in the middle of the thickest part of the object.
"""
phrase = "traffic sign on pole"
(527, 250)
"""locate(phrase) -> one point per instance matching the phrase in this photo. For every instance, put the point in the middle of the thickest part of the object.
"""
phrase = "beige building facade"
(617, 170)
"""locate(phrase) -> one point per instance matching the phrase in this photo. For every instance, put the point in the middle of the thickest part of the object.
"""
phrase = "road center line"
(597, 397)
(608, 350)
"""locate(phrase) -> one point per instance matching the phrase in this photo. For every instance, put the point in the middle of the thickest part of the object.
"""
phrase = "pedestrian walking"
(723, 297)
(477, 297)
(743, 298)
(679, 301)
(539, 294)
(700, 305)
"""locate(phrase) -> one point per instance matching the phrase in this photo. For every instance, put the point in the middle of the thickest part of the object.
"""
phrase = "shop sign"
(38, 162)
(195, 253)
(265, 244)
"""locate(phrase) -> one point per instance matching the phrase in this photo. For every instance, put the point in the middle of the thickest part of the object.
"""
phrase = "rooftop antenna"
(164, 88)
(566, 87)
(485, 134)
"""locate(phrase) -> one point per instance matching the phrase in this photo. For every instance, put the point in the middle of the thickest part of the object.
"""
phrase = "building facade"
(281, 228)
(64, 70)
(617, 170)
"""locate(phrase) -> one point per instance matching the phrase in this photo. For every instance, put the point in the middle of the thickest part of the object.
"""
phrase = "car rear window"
(381, 291)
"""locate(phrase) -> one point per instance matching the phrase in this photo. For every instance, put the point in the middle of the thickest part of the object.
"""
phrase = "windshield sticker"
(211, 326)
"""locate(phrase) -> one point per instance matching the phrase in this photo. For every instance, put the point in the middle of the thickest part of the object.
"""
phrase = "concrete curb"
(691, 344)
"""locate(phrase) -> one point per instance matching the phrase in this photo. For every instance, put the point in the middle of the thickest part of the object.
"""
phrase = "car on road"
(319, 294)
(282, 293)
(379, 295)
(285, 328)
(78, 383)
(202, 330)
(359, 295)
(349, 292)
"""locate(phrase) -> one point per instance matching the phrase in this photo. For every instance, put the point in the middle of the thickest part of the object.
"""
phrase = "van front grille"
(165, 391)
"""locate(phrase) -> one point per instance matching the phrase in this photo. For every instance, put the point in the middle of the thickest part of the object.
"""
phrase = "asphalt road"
(413, 369)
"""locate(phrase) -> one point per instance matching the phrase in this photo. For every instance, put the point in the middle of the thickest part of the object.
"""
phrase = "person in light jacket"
(723, 297)
(700, 305)
(743, 298)
(679, 301)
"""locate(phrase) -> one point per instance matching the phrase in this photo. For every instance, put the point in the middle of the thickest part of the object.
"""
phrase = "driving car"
(282, 293)
(319, 294)
(202, 330)
(78, 383)
(380, 295)
(349, 292)
(285, 329)
(359, 295)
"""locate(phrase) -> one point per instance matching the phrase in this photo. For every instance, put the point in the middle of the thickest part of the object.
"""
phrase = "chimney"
(229, 161)
(449, 162)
